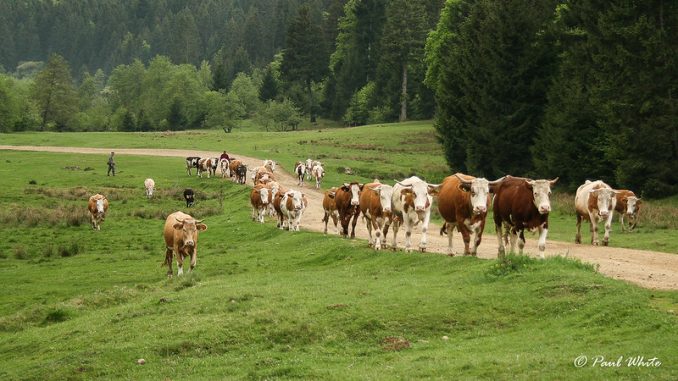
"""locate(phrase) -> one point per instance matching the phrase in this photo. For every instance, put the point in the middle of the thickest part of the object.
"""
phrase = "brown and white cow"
(224, 164)
(330, 208)
(375, 204)
(628, 205)
(181, 239)
(463, 202)
(318, 172)
(98, 206)
(262, 174)
(260, 199)
(594, 202)
(520, 204)
(270, 165)
(208, 165)
(411, 204)
(299, 172)
(149, 185)
(292, 205)
(347, 200)
(192, 162)
(274, 189)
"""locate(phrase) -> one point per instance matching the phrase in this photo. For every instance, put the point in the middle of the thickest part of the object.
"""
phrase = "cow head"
(319, 171)
(420, 192)
(479, 189)
(633, 204)
(270, 164)
(355, 189)
(294, 200)
(189, 230)
(100, 205)
(264, 195)
(541, 193)
(604, 202)
(385, 194)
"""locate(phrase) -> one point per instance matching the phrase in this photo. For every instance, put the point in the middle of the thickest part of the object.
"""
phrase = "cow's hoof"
(450, 254)
(422, 249)
(577, 241)
(605, 243)
(594, 243)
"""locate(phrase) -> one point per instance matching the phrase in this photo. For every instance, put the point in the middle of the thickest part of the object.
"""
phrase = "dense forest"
(577, 89)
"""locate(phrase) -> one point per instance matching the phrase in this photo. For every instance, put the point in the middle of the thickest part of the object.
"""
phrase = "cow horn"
(497, 181)
(179, 220)
(554, 181)
(198, 221)
(346, 185)
(462, 180)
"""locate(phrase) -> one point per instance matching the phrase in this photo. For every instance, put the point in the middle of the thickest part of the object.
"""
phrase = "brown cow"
(347, 199)
(181, 239)
(462, 202)
(260, 198)
(628, 205)
(235, 173)
(375, 204)
(330, 208)
(521, 204)
(98, 206)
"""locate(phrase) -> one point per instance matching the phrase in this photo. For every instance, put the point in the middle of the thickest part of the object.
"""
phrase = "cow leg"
(449, 227)
(387, 224)
(335, 219)
(326, 219)
(543, 230)
(377, 224)
(396, 226)
(408, 234)
(355, 221)
(521, 241)
(254, 213)
(608, 227)
(168, 260)
(500, 240)
(513, 238)
(180, 261)
(621, 221)
(577, 238)
(594, 229)
(477, 230)
(424, 232)
(466, 236)
(368, 223)
(194, 258)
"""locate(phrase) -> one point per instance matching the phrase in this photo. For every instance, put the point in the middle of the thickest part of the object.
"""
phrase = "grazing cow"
(292, 205)
(411, 202)
(318, 172)
(98, 206)
(463, 202)
(225, 168)
(149, 184)
(189, 196)
(300, 171)
(520, 204)
(375, 204)
(594, 202)
(259, 199)
(192, 162)
(347, 200)
(181, 239)
(628, 205)
(330, 208)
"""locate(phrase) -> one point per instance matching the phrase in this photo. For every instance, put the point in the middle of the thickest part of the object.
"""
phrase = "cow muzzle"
(387, 210)
(603, 213)
(419, 209)
(479, 210)
(355, 203)
(189, 243)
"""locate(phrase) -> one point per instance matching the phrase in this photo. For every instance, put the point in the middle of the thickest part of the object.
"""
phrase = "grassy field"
(387, 152)
(268, 304)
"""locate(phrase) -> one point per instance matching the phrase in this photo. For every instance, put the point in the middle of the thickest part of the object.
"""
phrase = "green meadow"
(270, 304)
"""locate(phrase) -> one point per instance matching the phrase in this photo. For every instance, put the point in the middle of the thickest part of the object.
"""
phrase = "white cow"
(318, 172)
(292, 206)
(411, 203)
(594, 202)
(149, 184)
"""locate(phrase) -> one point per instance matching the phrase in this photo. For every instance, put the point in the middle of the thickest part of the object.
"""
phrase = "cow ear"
(406, 191)
(178, 226)
(433, 189)
(465, 187)
(201, 226)
(361, 186)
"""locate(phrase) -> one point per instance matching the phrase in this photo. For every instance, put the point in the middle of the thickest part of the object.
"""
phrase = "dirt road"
(648, 269)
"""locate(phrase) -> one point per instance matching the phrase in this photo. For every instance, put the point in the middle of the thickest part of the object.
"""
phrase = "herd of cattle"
(463, 201)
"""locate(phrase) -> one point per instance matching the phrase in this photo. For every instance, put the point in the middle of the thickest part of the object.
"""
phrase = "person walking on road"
(111, 165)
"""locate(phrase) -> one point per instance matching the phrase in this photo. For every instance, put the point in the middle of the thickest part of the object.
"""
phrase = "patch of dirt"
(394, 344)
(645, 268)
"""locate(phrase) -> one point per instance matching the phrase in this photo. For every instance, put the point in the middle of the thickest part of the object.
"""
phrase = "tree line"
(577, 89)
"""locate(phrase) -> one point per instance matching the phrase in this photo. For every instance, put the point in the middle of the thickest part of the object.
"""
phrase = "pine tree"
(304, 59)
(269, 87)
